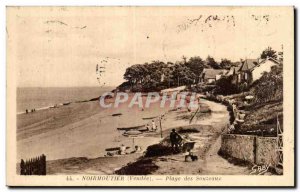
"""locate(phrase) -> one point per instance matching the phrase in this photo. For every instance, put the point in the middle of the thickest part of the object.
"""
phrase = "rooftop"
(211, 73)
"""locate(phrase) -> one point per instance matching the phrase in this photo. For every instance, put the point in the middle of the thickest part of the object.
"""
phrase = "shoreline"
(61, 102)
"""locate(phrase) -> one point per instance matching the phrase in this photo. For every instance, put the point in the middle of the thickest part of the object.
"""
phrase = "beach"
(75, 137)
(85, 129)
(207, 144)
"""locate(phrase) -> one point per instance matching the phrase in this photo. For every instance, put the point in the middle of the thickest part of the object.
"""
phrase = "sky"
(61, 46)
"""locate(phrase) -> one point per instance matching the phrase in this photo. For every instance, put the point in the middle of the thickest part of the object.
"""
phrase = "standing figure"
(147, 127)
(175, 139)
(153, 125)
(122, 150)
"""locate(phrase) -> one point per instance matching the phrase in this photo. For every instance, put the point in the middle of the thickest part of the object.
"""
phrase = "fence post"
(43, 160)
(22, 167)
(255, 149)
(160, 127)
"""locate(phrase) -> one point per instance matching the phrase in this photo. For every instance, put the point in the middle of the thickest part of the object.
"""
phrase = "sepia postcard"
(150, 96)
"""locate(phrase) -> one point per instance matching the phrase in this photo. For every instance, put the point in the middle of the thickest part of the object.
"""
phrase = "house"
(233, 71)
(211, 75)
(245, 72)
(242, 72)
(250, 70)
(263, 66)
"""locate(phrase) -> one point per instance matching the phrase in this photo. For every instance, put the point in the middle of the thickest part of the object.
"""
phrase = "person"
(137, 149)
(191, 156)
(147, 127)
(153, 125)
(122, 150)
(175, 139)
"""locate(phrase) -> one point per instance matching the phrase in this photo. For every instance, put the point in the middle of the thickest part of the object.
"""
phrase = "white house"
(263, 66)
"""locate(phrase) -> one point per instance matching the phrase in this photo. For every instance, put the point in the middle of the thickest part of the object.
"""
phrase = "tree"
(225, 64)
(167, 72)
(184, 58)
(268, 52)
(212, 63)
(182, 75)
(270, 86)
(135, 74)
(196, 66)
(225, 86)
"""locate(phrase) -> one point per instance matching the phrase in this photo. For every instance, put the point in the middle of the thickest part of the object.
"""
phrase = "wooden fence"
(34, 166)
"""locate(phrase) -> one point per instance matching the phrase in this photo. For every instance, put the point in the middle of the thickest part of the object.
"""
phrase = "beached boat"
(116, 114)
(146, 118)
(114, 148)
(54, 106)
(67, 103)
(132, 133)
(143, 129)
(130, 128)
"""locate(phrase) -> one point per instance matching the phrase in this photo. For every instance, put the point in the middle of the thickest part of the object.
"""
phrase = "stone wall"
(250, 148)
(238, 146)
(265, 151)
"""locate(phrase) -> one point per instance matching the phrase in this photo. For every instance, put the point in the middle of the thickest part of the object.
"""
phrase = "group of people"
(123, 150)
(32, 110)
(153, 126)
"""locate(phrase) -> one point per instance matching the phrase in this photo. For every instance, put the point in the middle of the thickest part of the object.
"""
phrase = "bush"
(140, 167)
(225, 86)
(269, 87)
(158, 150)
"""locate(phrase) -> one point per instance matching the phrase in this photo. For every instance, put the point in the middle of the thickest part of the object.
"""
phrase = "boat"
(114, 149)
(130, 128)
(54, 106)
(132, 133)
(143, 129)
(116, 114)
(146, 118)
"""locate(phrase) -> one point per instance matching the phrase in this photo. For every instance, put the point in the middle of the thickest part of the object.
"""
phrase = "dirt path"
(208, 143)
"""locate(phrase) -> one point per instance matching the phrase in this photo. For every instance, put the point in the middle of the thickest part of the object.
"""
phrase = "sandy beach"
(86, 130)
(210, 126)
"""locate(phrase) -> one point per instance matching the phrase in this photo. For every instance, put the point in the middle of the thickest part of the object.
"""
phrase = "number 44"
(69, 178)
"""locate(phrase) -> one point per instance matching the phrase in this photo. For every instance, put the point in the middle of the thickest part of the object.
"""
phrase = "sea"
(40, 98)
